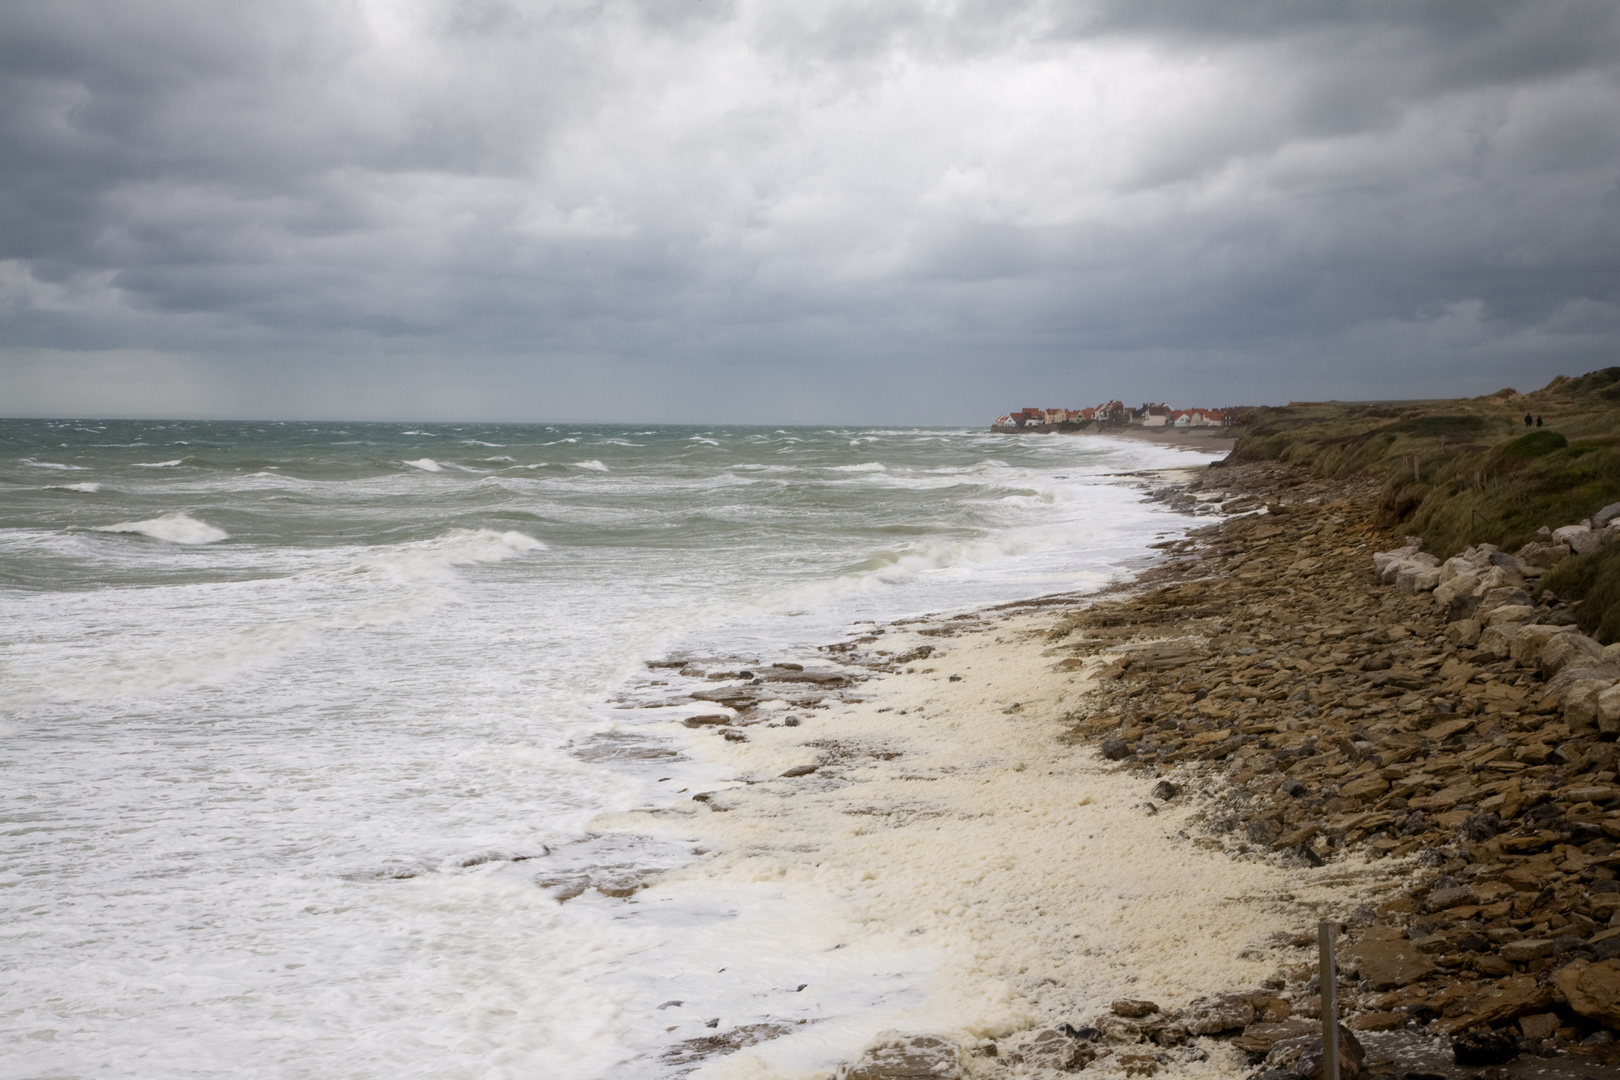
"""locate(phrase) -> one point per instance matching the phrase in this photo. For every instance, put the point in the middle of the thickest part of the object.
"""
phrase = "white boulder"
(1580, 538)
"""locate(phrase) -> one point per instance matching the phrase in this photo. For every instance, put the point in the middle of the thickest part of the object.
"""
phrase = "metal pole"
(1330, 1003)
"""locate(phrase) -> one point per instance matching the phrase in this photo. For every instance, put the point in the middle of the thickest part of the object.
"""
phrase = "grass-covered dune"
(1469, 471)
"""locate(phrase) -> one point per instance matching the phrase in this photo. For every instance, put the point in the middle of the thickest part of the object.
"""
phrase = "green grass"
(1536, 444)
(1595, 580)
(1461, 472)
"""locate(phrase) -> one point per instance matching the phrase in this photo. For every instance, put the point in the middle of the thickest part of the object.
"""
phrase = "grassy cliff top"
(1465, 471)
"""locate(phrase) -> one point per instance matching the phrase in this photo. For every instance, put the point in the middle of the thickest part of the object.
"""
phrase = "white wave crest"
(426, 464)
(431, 560)
(868, 466)
(86, 487)
(157, 464)
(707, 442)
(593, 465)
(175, 528)
(51, 465)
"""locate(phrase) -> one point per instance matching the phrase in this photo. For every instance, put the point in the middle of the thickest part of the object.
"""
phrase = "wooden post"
(1330, 1003)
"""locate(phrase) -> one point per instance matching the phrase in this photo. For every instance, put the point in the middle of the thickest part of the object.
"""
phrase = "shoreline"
(908, 768)
(1209, 440)
(1292, 702)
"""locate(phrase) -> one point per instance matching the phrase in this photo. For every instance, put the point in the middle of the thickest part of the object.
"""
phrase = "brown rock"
(707, 720)
(1052, 1049)
(1441, 899)
(1379, 1021)
(1387, 960)
(1226, 1013)
(1365, 787)
(1593, 990)
(1604, 905)
(1294, 838)
(1138, 1064)
(1491, 1003)
(896, 1056)
(1133, 1009)
(1259, 1038)
(1269, 1008)
(1522, 952)
(1540, 1026)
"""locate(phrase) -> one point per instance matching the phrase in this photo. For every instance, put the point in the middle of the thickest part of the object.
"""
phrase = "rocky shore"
(1340, 701)
(1295, 715)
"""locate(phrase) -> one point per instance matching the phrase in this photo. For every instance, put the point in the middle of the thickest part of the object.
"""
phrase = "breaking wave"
(174, 528)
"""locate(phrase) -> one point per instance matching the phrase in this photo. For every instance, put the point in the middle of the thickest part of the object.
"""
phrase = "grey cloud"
(1230, 201)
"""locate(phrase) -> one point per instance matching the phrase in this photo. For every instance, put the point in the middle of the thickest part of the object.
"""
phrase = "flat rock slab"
(1388, 960)
(1492, 1003)
(896, 1056)
(1593, 990)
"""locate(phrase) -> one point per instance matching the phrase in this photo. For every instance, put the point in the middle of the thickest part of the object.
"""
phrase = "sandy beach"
(950, 808)
(1107, 827)
(949, 812)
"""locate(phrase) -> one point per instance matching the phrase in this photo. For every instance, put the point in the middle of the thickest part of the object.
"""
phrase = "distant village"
(1116, 414)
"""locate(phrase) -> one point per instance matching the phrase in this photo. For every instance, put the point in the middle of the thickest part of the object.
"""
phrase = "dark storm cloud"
(863, 210)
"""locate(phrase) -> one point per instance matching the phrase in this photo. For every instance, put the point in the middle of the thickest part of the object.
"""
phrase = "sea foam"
(426, 464)
(177, 528)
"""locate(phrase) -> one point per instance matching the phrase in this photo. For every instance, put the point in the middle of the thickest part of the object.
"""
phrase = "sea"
(294, 715)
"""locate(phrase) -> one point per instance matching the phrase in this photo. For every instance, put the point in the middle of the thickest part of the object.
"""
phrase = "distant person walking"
(1528, 419)
(1538, 421)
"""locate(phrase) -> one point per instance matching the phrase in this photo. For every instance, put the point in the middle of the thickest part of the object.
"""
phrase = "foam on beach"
(952, 835)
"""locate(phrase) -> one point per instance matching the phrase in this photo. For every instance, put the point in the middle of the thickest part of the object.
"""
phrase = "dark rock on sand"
(1116, 749)
(707, 720)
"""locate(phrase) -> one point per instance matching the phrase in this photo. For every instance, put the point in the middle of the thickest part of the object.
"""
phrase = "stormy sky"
(876, 211)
